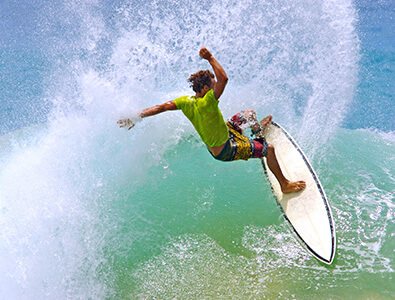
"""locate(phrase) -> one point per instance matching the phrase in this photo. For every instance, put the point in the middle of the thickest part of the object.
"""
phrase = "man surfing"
(224, 140)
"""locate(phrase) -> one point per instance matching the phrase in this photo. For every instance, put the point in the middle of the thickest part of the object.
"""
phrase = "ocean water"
(91, 211)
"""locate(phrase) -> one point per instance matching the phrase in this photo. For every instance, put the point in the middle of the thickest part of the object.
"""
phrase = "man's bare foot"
(292, 187)
(265, 122)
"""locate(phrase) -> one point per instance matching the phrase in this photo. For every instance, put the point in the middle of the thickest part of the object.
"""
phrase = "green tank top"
(206, 117)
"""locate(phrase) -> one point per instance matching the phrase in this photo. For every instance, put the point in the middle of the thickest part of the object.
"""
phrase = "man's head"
(202, 80)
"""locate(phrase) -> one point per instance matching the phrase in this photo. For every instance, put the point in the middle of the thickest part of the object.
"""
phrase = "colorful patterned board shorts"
(239, 146)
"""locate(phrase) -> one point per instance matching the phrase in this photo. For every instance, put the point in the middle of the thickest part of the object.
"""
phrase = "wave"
(91, 211)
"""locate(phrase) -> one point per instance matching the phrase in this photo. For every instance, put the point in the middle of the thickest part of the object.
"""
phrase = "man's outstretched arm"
(150, 111)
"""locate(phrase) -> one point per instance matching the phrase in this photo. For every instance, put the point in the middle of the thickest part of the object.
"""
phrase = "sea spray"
(300, 64)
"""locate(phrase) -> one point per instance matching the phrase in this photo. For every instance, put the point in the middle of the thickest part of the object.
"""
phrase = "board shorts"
(238, 145)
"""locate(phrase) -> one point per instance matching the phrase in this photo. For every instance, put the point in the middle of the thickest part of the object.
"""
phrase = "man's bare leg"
(286, 185)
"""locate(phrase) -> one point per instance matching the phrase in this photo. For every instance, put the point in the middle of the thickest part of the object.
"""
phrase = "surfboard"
(308, 211)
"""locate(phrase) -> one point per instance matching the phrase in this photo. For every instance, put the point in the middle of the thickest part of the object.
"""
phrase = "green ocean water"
(197, 228)
(90, 211)
(227, 239)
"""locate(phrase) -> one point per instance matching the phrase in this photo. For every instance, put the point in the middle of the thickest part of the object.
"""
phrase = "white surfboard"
(308, 211)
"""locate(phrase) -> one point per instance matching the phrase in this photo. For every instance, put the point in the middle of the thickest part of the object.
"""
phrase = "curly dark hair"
(199, 79)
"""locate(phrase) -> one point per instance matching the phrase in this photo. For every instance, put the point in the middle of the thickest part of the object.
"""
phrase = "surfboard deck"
(308, 211)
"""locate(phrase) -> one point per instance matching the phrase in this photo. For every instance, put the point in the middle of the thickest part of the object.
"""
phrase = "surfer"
(224, 140)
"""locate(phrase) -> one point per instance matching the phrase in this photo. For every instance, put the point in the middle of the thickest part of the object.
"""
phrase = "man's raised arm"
(220, 74)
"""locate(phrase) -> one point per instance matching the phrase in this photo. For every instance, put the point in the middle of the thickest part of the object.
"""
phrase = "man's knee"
(250, 117)
(249, 113)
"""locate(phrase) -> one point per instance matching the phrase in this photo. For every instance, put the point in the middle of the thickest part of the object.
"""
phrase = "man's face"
(206, 88)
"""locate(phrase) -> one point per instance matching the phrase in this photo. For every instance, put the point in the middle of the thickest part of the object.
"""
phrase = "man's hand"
(204, 53)
(126, 123)
(129, 123)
